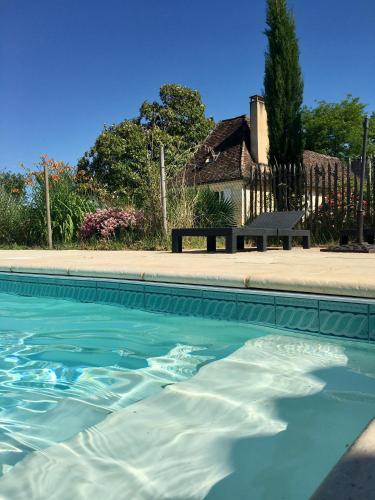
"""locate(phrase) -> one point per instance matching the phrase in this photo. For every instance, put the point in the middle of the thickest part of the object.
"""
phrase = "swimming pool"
(68, 361)
(172, 406)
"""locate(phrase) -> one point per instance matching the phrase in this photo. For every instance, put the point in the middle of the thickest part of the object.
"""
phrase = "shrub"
(335, 213)
(198, 207)
(13, 217)
(211, 211)
(70, 201)
(111, 223)
(12, 183)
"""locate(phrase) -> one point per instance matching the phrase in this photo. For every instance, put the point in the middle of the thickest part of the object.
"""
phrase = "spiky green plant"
(210, 210)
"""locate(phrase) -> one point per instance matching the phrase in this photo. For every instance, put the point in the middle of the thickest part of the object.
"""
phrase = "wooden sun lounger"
(273, 224)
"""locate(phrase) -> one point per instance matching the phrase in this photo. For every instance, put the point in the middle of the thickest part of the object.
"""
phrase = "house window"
(225, 194)
(219, 195)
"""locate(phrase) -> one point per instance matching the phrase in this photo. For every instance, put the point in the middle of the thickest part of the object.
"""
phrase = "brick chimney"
(258, 130)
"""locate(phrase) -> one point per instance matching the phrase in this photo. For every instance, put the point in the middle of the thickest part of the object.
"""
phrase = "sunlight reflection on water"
(72, 362)
(267, 420)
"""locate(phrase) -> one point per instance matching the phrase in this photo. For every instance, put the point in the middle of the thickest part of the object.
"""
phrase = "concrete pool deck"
(298, 270)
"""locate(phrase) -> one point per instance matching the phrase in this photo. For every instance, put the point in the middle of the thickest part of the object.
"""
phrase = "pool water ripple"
(266, 422)
(65, 365)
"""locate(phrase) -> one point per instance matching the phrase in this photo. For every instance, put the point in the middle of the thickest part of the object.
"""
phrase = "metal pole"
(48, 208)
(163, 191)
(360, 211)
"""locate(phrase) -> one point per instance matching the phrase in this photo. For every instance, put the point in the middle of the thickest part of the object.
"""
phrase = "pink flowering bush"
(334, 214)
(110, 223)
(335, 211)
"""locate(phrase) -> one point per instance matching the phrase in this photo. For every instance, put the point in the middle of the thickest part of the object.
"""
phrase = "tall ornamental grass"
(70, 201)
(198, 207)
(13, 218)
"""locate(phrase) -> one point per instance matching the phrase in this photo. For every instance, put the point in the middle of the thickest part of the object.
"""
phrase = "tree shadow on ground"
(291, 464)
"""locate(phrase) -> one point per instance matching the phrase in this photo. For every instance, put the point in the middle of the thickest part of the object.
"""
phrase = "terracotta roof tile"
(311, 159)
(225, 154)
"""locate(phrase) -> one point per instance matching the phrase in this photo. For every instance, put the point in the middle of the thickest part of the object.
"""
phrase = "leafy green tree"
(336, 129)
(118, 159)
(283, 85)
(124, 157)
(180, 113)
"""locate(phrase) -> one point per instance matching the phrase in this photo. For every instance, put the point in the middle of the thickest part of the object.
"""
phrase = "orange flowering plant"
(56, 171)
(71, 197)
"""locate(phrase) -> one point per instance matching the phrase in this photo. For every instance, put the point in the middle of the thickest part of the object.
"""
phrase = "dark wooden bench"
(273, 224)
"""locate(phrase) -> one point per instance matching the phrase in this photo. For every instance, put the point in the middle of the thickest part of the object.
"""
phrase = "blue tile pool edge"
(340, 317)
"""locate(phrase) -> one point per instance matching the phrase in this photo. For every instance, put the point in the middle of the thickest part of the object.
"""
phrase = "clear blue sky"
(69, 66)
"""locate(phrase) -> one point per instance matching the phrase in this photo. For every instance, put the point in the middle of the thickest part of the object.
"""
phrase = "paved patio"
(296, 270)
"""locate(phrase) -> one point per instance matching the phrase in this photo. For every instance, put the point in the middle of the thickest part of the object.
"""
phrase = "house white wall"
(239, 193)
(233, 190)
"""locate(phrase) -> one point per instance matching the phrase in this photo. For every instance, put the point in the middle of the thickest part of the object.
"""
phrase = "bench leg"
(240, 242)
(231, 243)
(176, 243)
(287, 242)
(344, 239)
(262, 243)
(306, 242)
(211, 243)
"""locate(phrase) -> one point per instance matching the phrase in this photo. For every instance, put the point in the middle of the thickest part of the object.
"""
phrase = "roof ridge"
(245, 149)
(320, 154)
(243, 145)
(230, 119)
(241, 155)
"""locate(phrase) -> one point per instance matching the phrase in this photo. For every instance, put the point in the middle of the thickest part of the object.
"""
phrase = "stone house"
(235, 147)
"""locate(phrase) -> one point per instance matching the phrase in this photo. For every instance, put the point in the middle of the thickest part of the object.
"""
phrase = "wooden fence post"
(163, 195)
(336, 193)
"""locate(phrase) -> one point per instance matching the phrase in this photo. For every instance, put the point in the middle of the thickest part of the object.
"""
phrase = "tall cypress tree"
(283, 85)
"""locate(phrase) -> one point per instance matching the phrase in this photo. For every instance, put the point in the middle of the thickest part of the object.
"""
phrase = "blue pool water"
(282, 410)
(65, 361)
